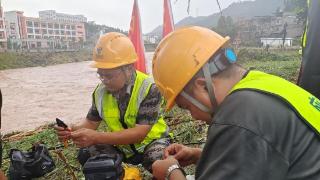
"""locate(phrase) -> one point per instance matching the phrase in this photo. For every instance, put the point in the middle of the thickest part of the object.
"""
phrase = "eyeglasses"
(108, 77)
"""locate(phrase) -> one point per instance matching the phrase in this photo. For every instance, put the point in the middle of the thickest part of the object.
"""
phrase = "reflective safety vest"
(306, 106)
(107, 107)
(304, 36)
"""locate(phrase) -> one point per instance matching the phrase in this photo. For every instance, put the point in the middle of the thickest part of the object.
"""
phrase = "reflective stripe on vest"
(302, 102)
(107, 107)
(304, 37)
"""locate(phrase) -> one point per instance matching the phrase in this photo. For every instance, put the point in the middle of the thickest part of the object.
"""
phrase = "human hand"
(185, 155)
(2, 176)
(63, 133)
(160, 167)
(84, 137)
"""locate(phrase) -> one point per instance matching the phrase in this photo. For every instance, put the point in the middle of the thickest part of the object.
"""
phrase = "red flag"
(168, 24)
(135, 35)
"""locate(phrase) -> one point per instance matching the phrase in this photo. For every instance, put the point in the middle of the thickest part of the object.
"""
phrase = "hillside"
(244, 9)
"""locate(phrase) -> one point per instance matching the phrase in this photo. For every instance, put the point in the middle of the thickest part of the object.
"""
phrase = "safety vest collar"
(306, 106)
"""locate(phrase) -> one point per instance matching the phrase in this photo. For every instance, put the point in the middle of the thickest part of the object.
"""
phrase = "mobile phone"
(60, 123)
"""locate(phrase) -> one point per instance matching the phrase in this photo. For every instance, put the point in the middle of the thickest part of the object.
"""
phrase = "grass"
(285, 64)
(49, 138)
(12, 60)
(187, 131)
(192, 132)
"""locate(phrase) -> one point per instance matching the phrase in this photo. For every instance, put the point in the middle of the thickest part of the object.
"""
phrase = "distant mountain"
(93, 32)
(243, 9)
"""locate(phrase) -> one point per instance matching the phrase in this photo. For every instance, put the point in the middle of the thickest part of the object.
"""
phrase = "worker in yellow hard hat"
(127, 101)
(260, 126)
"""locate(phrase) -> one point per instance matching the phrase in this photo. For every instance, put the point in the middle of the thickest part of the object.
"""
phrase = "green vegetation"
(12, 60)
(186, 131)
(299, 7)
(285, 64)
(48, 137)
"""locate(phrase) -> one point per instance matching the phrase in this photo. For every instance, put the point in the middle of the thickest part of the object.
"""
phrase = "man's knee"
(85, 153)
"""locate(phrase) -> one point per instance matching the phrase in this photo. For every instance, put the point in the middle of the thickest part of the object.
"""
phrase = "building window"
(57, 32)
(50, 25)
(79, 27)
(36, 24)
(62, 32)
(38, 37)
(30, 30)
(44, 25)
(37, 31)
(68, 32)
(79, 32)
(73, 27)
(1, 35)
(30, 37)
(73, 33)
(56, 26)
(29, 23)
(44, 31)
(68, 27)
(50, 31)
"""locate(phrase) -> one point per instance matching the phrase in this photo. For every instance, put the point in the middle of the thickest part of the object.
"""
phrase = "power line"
(219, 7)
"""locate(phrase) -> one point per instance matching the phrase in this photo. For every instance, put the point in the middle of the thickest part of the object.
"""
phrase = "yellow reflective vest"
(304, 36)
(306, 106)
(107, 107)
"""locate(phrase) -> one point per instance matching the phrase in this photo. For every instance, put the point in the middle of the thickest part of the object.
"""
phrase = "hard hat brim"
(104, 65)
(170, 105)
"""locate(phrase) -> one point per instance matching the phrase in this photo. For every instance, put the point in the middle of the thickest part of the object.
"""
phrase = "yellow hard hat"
(113, 50)
(180, 55)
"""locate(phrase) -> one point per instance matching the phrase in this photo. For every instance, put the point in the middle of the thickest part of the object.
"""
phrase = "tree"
(226, 27)
(299, 7)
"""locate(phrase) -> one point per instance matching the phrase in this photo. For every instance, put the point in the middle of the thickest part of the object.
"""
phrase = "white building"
(14, 21)
(276, 42)
(30, 33)
(61, 17)
(3, 36)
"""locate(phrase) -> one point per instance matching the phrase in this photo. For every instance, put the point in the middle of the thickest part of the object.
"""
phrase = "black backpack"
(103, 167)
(31, 164)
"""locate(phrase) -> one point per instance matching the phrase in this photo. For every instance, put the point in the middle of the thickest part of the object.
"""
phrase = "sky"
(117, 13)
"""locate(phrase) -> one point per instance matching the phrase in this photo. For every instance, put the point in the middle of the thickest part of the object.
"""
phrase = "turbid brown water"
(36, 96)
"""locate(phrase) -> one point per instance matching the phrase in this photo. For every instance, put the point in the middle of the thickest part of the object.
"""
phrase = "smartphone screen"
(60, 123)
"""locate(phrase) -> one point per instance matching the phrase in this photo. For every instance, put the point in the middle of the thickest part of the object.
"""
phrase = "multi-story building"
(33, 32)
(46, 33)
(15, 25)
(61, 17)
(3, 36)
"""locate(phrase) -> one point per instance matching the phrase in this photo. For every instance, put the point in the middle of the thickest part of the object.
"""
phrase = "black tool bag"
(103, 167)
(31, 164)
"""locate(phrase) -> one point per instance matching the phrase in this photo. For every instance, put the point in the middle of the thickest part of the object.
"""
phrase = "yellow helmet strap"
(208, 79)
(198, 104)
(195, 102)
